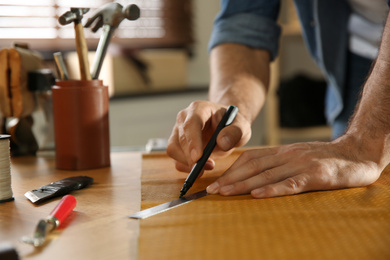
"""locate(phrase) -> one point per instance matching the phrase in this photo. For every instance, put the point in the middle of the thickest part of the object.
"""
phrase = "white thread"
(5, 169)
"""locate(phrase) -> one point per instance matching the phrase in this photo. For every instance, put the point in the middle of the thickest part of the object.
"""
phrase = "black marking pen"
(226, 120)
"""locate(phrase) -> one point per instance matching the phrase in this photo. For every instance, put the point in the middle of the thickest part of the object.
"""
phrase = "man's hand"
(297, 168)
(193, 129)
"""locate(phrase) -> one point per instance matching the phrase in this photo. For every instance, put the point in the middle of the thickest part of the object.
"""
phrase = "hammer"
(75, 15)
(109, 17)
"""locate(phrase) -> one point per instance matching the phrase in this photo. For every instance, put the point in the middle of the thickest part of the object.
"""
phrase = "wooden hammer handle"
(82, 52)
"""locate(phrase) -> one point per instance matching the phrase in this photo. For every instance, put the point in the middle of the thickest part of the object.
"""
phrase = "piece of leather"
(21, 61)
(5, 100)
(340, 224)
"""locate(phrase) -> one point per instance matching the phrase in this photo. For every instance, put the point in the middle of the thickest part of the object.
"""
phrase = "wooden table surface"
(341, 224)
(98, 228)
(338, 224)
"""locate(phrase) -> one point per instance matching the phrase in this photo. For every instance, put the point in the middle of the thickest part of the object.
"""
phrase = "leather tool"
(62, 71)
(53, 221)
(75, 15)
(58, 188)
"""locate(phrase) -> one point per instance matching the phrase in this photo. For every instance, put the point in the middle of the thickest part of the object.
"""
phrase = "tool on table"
(167, 206)
(75, 15)
(226, 120)
(53, 221)
(61, 67)
(156, 144)
(8, 252)
(40, 83)
(58, 188)
(109, 17)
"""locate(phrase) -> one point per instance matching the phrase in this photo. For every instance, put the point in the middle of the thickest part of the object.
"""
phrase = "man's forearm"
(371, 122)
(239, 76)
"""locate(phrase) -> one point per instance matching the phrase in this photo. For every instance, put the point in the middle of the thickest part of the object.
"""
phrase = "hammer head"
(132, 12)
(112, 14)
(74, 15)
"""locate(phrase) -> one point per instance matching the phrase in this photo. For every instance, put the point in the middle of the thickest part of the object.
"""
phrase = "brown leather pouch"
(15, 98)
(5, 100)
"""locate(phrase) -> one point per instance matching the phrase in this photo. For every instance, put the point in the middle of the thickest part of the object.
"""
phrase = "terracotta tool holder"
(81, 124)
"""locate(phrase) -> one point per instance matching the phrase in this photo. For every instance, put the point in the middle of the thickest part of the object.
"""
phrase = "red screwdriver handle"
(63, 208)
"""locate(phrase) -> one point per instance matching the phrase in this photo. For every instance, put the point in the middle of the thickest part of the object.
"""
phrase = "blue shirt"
(324, 25)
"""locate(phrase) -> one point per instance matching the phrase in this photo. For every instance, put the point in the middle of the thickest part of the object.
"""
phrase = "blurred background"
(158, 64)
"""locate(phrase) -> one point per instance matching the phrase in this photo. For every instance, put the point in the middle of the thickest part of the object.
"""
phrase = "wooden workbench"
(340, 224)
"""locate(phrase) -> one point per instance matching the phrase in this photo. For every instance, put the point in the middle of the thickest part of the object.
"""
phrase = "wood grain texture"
(98, 228)
(82, 52)
(340, 224)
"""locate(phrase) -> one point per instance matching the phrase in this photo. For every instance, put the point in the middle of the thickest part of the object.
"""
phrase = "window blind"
(163, 23)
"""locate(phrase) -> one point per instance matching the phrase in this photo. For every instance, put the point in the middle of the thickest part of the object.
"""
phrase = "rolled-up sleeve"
(248, 22)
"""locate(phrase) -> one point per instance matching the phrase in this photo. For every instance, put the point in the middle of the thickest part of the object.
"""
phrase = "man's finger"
(174, 149)
(269, 176)
(290, 186)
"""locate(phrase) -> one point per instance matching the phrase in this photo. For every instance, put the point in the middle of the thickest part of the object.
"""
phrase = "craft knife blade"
(168, 205)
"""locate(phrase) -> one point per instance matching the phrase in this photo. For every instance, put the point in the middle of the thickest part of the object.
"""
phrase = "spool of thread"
(5, 170)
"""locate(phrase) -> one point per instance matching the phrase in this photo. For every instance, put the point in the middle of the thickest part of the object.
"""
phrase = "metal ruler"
(168, 205)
